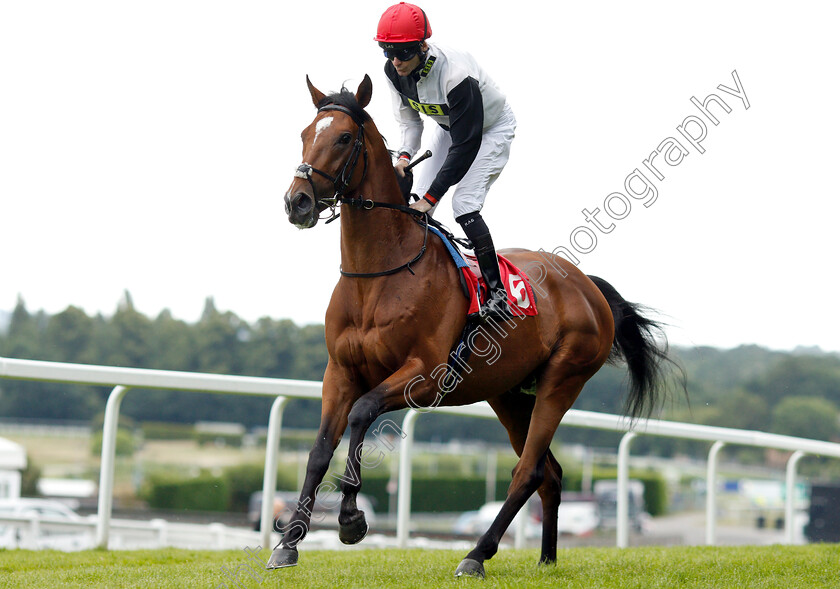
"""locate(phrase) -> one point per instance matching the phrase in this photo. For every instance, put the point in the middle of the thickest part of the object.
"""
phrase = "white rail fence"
(34, 532)
(124, 379)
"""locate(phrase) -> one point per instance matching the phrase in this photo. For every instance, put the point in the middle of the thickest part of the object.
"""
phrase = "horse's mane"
(348, 100)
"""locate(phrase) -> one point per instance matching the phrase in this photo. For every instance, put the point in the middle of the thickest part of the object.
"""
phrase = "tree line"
(749, 387)
(219, 342)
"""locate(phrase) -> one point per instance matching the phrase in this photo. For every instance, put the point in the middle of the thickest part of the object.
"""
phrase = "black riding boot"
(496, 305)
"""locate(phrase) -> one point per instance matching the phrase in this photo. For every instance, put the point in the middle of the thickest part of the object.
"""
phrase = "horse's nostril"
(302, 203)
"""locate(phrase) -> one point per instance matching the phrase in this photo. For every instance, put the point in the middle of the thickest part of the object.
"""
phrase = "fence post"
(161, 526)
(272, 448)
(34, 532)
(219, 532)
(106, 469)
(711, 493)
(790, 495)
(404, 484)
(622, 500)
(521, 531)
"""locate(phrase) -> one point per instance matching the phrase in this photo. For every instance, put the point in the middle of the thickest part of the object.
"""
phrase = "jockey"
(472, 137)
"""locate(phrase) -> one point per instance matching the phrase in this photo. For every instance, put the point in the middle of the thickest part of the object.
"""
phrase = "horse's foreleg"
(388, 396)
(334, 410)
(351, 520)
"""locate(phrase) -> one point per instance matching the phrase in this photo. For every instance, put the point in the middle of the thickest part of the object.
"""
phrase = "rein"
(367, 205)
(423, 219)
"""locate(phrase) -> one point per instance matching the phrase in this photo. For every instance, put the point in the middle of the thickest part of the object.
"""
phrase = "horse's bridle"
(340, 184)
(341, 181)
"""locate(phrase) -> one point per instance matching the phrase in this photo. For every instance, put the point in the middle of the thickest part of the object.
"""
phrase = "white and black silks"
(453, 90)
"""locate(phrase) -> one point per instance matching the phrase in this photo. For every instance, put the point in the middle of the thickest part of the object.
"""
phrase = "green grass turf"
(727, 567)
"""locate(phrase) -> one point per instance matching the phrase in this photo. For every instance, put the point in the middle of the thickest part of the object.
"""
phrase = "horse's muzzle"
(300, 208)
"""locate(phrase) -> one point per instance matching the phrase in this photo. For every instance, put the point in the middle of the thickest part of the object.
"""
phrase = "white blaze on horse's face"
(320, 126)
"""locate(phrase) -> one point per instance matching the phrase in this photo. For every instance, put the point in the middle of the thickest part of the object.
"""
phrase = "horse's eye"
(345, 138)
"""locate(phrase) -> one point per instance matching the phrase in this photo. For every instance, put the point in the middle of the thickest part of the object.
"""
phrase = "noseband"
(341, 181)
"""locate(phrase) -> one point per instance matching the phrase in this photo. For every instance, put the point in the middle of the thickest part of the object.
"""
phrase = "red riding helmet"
(403, 23)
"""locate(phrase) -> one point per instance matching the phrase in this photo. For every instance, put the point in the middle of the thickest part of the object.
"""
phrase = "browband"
(340, 108)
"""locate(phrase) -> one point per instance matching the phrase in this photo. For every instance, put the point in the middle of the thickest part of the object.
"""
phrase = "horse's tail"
(636, 342)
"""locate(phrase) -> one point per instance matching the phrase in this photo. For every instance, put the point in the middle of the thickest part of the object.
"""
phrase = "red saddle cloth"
(520, 294)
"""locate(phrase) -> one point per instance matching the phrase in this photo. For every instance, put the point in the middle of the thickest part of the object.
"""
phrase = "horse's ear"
(364, 92)
(317, 95)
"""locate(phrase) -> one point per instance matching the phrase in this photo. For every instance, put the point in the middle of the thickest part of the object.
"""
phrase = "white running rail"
(124, 379)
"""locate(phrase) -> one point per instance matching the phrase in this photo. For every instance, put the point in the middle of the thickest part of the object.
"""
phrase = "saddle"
(521, 298)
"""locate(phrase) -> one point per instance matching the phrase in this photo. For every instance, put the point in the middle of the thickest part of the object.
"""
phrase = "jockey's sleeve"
(466, 121)
(411, 127)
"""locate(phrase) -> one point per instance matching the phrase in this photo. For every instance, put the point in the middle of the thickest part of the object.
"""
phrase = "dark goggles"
(401, 52)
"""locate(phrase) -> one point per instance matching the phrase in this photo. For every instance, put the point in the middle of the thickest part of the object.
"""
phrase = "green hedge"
(124, 447)
(656, 492)
(244, 479)
(202, 493)
(456, 493)
(231, 491)
(435, 494)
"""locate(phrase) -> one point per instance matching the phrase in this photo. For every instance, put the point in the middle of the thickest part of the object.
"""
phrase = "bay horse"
(398, 310)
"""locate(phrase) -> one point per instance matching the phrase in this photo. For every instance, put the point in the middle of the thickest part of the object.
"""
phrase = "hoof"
(355, 531)
(470, 568)
(282, 558)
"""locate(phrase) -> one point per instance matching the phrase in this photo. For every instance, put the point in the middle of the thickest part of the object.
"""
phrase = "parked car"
(326, 508)
(475, 523)
(577, 516)
(51, 537)
(465, 524)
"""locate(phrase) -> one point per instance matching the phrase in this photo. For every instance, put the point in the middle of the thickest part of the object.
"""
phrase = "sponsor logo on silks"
(428, 67)
(434, 110)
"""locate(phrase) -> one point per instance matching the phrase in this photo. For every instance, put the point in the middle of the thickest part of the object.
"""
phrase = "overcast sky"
(146, 146)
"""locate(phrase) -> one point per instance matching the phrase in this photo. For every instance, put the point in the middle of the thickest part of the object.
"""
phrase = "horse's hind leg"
(556, 392)
(514, 412)
(550, 495)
